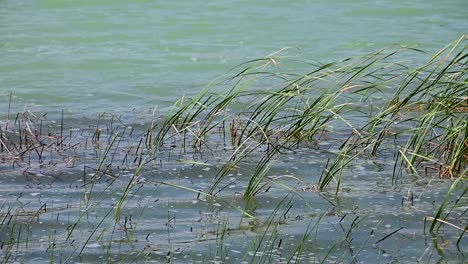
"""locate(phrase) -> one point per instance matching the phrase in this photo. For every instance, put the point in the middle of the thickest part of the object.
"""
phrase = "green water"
(91, 56)
(87, 57)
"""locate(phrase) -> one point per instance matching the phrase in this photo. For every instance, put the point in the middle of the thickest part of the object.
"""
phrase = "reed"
(367, 107)
(423, 118)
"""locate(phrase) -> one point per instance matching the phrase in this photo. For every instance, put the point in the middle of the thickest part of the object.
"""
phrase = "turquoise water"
(88, 56)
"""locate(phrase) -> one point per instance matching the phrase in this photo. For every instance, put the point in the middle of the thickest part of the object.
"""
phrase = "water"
(162, 222)
(88, 57)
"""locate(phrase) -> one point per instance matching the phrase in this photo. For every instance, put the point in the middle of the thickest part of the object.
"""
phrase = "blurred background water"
(93, 56)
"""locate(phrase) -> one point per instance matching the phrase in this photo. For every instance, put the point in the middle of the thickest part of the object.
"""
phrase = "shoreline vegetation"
(410, 120)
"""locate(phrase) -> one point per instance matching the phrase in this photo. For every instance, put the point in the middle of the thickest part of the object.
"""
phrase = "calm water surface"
(88, 56)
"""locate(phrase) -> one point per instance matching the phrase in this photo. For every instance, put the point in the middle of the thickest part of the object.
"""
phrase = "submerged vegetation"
(408, 121)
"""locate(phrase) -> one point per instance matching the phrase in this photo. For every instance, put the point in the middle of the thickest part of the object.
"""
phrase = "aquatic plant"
(365, 108)
(420, 118)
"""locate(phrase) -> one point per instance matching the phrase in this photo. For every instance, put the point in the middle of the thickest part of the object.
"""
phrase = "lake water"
(60, 188)
(91, 56)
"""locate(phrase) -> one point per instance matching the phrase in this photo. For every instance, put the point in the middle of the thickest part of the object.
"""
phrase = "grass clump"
(381, 107)
(375, 108)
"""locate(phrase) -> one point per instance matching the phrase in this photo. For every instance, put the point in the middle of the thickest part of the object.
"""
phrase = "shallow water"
(88, 57)
(162, 222)
(61, 210)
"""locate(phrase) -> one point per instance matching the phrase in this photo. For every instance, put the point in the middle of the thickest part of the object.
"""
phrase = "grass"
(423, 108)
(368, 109)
